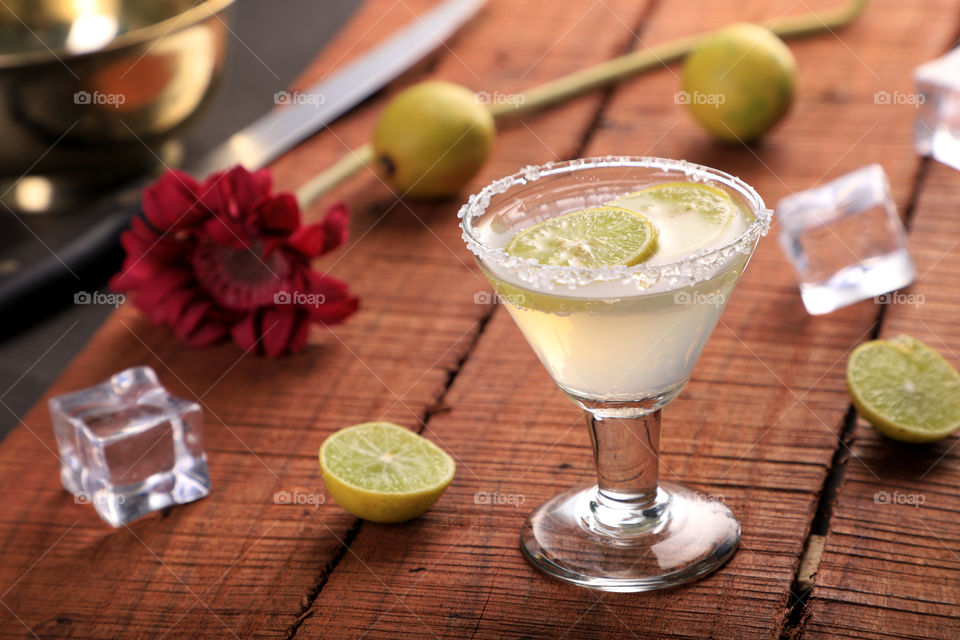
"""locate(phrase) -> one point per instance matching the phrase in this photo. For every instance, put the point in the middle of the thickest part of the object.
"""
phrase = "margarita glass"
(621, 342)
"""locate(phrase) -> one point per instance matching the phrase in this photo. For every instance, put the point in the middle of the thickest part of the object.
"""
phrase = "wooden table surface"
(765, 424)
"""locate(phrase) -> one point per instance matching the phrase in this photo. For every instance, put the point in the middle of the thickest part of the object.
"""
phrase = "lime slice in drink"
(905, 389)
(683, 198)
(382, 472)
(596, 237)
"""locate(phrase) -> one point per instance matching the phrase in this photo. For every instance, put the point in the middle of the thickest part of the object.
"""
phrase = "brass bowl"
(93, 91)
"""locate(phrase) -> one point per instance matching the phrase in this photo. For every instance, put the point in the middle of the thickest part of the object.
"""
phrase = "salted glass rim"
(693, 268)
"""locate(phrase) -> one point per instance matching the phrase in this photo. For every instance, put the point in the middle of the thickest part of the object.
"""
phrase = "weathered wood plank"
(891, 565)
(235, 563)
(757, 425)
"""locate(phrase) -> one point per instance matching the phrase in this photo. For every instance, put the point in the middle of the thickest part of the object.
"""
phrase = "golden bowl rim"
(193, 15)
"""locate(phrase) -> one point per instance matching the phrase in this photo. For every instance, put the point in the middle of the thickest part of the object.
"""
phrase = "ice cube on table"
(845, 240)
(128, 447)
(936, 130)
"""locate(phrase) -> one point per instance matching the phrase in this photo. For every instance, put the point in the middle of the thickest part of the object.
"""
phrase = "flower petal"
(172, 306)
(140, 234)
(279, 213)
(208, 333)
(298, 340)
(336, 226)
(308, 239)
(277, 328)
(171, 202)
(250, 187)
(154, 299)
(235, 192)
(320, 237)
(318, 282)
(334, 312)
(130, 277)
(225, 232)
(244, 333)
(337, 303)
(138, 271)
(192, 317)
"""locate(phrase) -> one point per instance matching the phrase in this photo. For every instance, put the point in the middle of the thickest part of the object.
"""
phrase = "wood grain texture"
(891, 565)
(236, 563)
(757, 425)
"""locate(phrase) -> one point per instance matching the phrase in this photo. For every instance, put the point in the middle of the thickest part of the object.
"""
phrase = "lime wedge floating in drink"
(382, 472)
(683, 198)
(596, 237)
(905, 389)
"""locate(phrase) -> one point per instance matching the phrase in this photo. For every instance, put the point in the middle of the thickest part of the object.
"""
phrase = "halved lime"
(905, 389)
(382, 472)
(596, 237)
(683, 198)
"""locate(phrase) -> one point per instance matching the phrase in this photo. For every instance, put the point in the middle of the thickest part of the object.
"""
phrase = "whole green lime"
(432, 139)
(739, 82)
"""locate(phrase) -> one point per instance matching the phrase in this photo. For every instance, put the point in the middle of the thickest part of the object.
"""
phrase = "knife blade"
(313, 109)
(31, 290)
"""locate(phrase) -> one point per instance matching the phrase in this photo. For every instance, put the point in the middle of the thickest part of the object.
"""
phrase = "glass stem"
(627, 454)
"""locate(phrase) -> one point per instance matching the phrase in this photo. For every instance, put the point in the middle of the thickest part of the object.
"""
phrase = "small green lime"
(905, 389)
(432, 139)
(739, 82)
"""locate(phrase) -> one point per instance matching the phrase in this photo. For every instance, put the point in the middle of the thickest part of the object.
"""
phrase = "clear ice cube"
(845, 240)
(128, 447)
(936, 130)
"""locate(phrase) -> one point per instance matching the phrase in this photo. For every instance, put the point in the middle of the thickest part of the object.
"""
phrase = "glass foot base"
(683, 537)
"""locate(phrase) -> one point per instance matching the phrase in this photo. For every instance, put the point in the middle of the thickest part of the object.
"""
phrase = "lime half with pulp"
(905, 389)
(382, 472)
(597, 237)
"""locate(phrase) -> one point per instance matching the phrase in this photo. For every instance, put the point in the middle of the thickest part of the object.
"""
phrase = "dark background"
(273, 42)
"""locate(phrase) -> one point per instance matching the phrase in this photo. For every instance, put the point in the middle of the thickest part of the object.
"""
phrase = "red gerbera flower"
(226, 257)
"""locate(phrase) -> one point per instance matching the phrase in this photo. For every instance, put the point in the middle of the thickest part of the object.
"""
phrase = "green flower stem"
(813, 23)
(616, 69)
(327, 180)
(595, 77)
